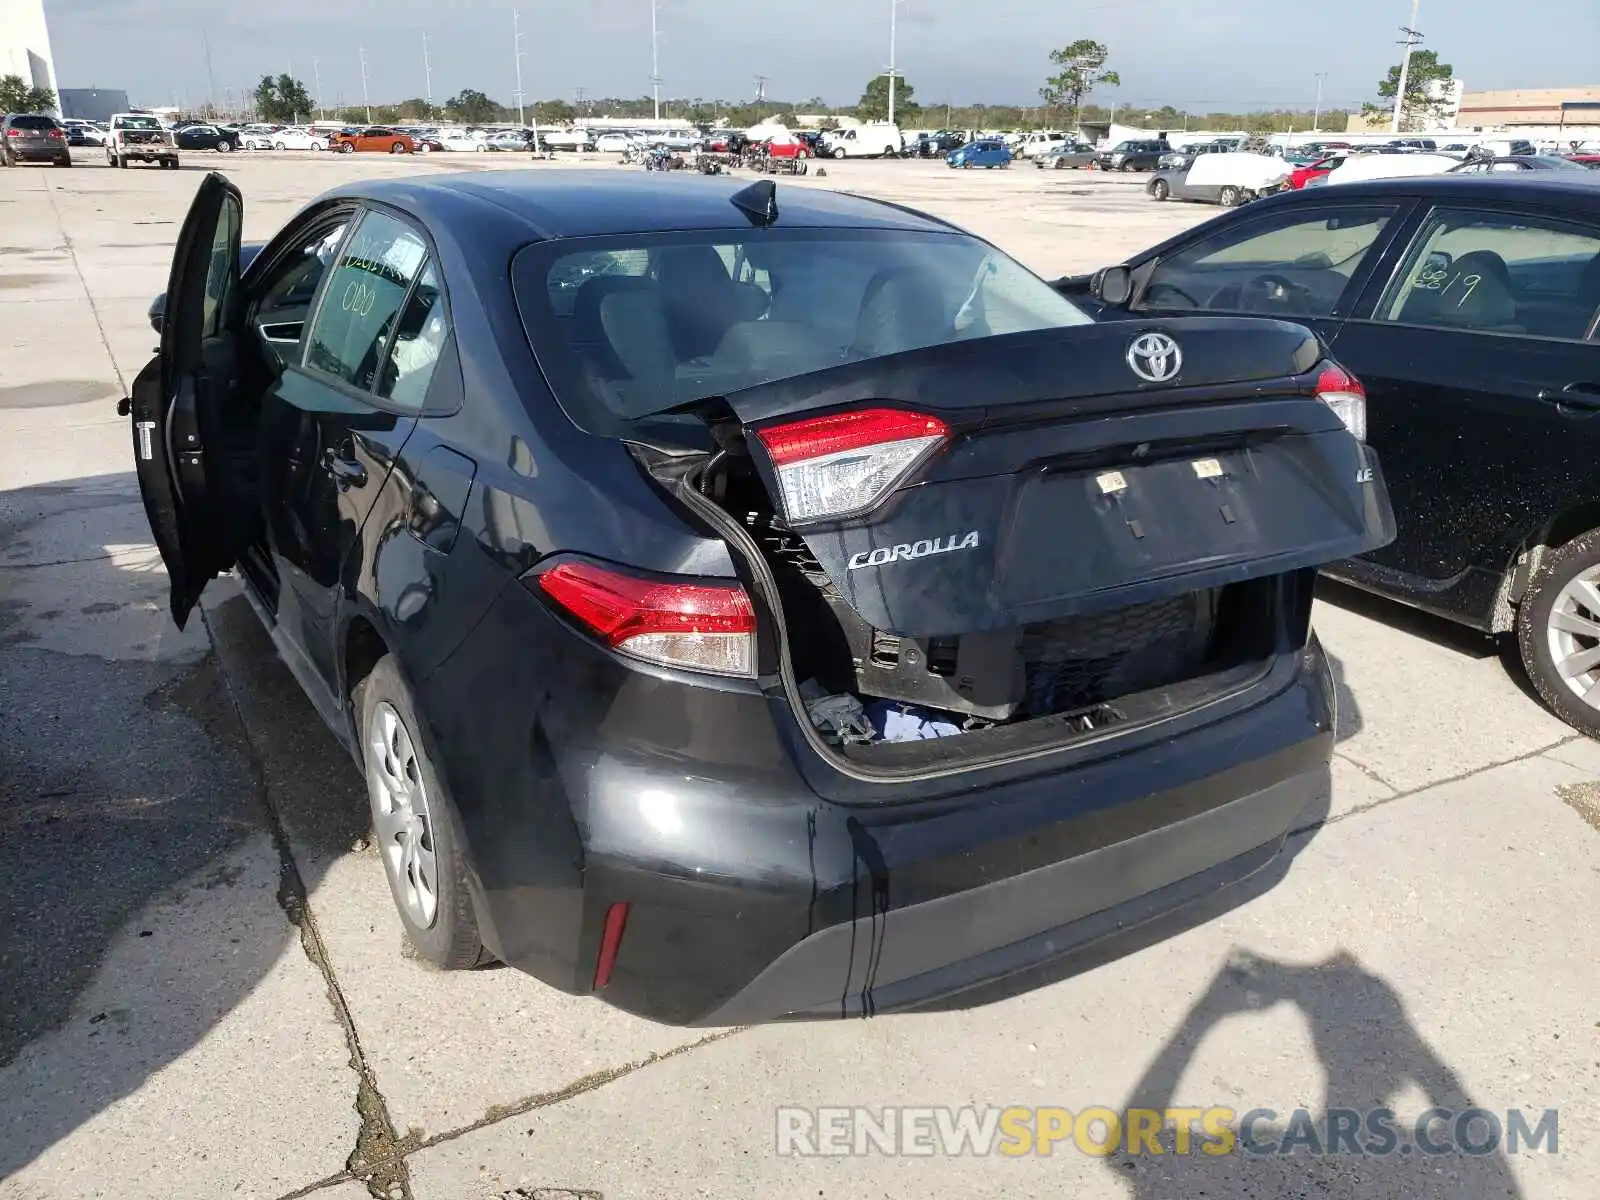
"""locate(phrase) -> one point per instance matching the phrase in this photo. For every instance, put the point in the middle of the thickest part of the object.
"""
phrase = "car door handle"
(347, 472)
(1575, 399)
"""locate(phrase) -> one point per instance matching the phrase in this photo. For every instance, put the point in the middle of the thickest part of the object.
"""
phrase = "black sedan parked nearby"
(1514, 163)
(683, 565)
(206, 137)
(1469, 310)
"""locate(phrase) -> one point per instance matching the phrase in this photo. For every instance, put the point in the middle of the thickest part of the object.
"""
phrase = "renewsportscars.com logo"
(1097, 1131)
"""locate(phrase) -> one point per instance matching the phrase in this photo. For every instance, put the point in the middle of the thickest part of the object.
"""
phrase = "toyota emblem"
(1154, 357)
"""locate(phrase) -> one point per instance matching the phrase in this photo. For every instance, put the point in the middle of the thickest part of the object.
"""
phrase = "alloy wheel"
(400, 815)
(1573, 634)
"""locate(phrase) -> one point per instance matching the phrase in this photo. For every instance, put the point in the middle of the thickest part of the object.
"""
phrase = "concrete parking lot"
(202, 985)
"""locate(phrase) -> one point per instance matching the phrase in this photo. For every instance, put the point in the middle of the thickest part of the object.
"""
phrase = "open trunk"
(981, 566)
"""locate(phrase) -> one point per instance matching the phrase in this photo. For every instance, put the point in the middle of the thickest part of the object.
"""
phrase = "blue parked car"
(993, 153)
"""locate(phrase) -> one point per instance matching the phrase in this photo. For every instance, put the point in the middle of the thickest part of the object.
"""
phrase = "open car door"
(177, 398)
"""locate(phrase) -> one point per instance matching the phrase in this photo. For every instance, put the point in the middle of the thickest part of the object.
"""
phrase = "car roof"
(590, 203)
(1562, 186)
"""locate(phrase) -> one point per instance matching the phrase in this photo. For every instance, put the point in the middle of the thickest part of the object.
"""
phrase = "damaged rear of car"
(1016, 649)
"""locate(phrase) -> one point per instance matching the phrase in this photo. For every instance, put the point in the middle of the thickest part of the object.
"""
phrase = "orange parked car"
(376, 139)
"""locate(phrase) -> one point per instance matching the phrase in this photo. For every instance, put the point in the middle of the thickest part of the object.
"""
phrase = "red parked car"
(1301, 176)
(377, 139)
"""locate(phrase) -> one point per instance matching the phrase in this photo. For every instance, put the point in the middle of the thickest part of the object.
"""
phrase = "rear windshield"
(32, 123)
(138, 123)
(626, 328)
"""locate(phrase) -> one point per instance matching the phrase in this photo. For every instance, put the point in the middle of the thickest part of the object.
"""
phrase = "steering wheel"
(1273, 291)
(1154, 296)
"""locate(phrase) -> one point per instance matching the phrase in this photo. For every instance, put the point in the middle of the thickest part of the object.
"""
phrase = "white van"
(878, 140)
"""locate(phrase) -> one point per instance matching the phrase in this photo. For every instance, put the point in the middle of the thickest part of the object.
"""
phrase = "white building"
(25, 44)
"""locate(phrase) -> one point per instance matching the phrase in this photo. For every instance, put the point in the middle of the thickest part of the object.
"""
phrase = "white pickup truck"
(140, 137)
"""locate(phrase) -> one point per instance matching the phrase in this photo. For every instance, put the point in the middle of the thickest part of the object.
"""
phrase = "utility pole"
(1413, 36)
(211, 78)
(655, 55)
(366, 96)
(316, 78)
(894, 19)
(1316, 120)
(427, 71)
(516, 47)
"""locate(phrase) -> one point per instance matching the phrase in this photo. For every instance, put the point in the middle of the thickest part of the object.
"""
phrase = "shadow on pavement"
(1371, 1056)
(1448, 634)
(144, 886)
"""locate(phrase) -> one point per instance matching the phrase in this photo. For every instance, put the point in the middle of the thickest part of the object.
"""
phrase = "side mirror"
(1112, 285)
(158, 310)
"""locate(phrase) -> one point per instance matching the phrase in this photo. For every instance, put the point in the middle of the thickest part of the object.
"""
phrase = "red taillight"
(610, 943)
(1344, 393)
(13, 133)
(847, 462)
(700, 626)
(57, 134)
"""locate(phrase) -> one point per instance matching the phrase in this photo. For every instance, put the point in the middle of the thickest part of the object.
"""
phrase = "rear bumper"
(935, 951)
(752, 898)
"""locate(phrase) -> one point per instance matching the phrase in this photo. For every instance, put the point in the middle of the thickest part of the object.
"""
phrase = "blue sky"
(1198, 54)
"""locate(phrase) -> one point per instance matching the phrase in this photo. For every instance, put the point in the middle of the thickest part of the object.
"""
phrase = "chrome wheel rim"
(1573, 635)
(400, 815)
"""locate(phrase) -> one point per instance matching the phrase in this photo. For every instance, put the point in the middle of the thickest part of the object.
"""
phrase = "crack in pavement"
(378, 1159)
(88, 296)
(516, 1108)
(1360, 809)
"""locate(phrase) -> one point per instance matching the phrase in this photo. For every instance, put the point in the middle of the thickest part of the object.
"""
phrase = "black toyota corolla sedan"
(749, 604)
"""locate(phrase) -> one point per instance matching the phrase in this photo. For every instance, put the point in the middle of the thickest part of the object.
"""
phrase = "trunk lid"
(1040, 475)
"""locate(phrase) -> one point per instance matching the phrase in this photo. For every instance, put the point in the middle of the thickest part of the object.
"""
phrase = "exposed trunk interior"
(899, 703)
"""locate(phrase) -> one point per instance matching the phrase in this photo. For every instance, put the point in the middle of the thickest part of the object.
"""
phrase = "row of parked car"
(1234, 178)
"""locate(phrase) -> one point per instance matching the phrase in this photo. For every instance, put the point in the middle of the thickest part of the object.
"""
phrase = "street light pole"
(316, 75)
(655, 56)
(516, 45)
(427, 71)
(1316, 119)
(366, 97)
(894, 17)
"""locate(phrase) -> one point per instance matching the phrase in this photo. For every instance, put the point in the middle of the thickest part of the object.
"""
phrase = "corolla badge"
(906, 551)
(1154, 357)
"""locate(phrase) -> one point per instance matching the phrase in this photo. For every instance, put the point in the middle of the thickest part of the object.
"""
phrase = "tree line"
(1081, 69)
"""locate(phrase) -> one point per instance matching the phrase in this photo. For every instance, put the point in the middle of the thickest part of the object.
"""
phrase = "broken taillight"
(698, 626)
(845, 463)
(1342, 392)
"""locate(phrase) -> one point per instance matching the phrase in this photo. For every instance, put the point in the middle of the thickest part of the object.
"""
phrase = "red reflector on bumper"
(610, 943)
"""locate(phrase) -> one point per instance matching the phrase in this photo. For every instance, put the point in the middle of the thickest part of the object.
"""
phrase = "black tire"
(224, 146)
(1125, 167)
(452, 941)
(1159, 189)
(398, 148)
(838, 152)
(1559, 568)
(347, 147)
(1228, 197)
(279, 146)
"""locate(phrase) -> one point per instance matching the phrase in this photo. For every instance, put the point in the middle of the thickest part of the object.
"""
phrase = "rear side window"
(1500, 273)
(363, 299)
(1290, 265)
